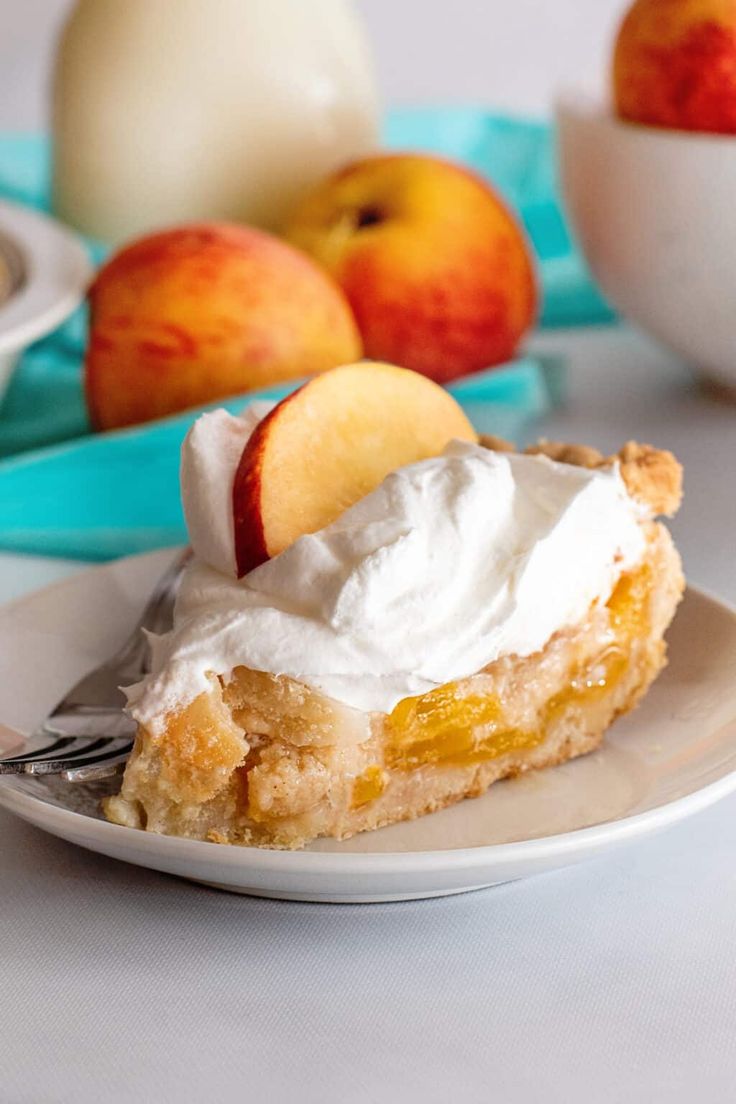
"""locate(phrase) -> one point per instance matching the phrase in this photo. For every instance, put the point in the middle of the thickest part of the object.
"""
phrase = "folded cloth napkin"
(87, 497)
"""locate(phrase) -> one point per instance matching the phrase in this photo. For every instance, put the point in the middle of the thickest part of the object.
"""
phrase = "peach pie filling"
(458, 724)
(452, 727)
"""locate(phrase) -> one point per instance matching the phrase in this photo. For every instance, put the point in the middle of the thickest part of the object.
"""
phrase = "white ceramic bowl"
(49, 271)
(655, 214)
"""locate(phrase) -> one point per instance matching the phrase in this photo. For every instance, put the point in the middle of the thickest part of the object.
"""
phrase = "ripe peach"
(675, 65)
(435, 267)
(196, 313)
(329, 444)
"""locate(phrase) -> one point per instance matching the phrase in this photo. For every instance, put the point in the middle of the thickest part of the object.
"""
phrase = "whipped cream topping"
(448, 565)
(209, 460)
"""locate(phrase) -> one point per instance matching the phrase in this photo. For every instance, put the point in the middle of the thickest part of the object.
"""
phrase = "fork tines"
(75, 758)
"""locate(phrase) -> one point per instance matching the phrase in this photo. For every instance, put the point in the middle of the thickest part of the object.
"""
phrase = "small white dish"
(673, 757)
(653, 212)
(50, 271)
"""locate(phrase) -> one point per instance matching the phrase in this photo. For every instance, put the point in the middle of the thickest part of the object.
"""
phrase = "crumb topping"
(651, 475)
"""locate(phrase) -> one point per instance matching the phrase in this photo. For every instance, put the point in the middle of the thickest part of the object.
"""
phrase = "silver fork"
(88, 735)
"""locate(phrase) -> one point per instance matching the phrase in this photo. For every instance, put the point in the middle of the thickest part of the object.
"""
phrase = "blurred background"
(626, 209)
(513, 55)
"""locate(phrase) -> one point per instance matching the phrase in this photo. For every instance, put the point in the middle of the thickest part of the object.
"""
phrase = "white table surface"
(614, 981)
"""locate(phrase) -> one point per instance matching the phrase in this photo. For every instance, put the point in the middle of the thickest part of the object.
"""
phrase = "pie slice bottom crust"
(264, 760)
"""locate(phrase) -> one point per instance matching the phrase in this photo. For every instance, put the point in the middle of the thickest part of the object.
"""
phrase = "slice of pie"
(387, 614)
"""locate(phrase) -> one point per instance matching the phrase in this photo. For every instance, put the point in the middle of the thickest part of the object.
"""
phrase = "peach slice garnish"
(329, 444)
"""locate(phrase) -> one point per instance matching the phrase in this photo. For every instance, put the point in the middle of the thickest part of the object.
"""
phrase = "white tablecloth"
(613, 981)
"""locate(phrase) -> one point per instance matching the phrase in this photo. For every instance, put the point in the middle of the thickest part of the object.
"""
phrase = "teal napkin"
(99, 496)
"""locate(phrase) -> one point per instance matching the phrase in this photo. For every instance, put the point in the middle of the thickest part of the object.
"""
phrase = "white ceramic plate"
(674, 756)
(50, 270)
